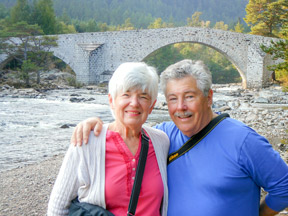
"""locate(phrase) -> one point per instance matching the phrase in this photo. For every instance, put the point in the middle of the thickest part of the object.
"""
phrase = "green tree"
(194, 21)
(279, 51)
(92, 26)
(62, 28)
(44, 16)
(26, 68)
(65, 17)
(21, 12)
(169, 53)
(221, 25)
(127, 25)
(22, 42)
(239, 27)
(158, 23)
(103, 27)
(4, 12)
(266, 17)
(270, 18)
(41, 54)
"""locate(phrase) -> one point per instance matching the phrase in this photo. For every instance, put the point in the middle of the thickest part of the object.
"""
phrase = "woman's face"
(131, 108)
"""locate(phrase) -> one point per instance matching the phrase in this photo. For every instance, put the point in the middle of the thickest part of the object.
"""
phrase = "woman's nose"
(134, 101)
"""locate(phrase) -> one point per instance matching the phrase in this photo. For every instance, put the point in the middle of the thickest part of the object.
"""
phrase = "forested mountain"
(143, 12)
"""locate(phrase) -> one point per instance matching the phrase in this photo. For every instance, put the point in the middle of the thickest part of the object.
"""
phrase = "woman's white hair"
(197, 69)
(134, 75)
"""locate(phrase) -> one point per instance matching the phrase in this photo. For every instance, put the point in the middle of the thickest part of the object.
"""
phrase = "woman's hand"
(82, 130)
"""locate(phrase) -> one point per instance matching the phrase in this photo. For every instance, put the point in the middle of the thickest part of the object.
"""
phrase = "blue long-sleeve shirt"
(224, 173)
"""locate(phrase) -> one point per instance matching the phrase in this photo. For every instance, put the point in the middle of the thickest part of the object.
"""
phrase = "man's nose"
(181, 105)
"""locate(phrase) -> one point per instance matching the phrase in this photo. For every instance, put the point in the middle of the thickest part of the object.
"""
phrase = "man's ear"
(210, 98)
(152, 106)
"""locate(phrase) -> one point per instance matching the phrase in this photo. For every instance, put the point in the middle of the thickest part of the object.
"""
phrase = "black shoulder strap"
(195, 139)
(139, 175)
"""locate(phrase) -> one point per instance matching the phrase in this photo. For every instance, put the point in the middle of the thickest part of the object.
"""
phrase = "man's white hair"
(197, 69)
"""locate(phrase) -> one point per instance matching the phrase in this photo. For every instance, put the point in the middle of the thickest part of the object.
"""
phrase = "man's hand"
(265, 210)
(82, 130)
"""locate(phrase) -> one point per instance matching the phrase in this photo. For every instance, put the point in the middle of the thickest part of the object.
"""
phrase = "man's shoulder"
(164, 126)
(236, 125)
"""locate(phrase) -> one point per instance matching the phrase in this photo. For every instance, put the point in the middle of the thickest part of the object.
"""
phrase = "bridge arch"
(241, 73)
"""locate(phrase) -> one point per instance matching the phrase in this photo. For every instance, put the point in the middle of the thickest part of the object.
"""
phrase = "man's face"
(189, 109)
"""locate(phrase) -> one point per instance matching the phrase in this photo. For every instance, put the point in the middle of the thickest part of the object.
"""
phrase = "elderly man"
(225, 170)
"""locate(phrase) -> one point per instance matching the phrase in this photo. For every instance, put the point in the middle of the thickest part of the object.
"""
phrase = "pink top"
(120, 171)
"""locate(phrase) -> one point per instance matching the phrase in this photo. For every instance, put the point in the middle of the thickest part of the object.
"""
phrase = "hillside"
(143, 12)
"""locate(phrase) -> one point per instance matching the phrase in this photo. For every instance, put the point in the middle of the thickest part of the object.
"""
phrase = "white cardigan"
(82, 172)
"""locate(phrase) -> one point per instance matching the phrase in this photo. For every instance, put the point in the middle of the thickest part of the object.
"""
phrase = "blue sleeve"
(267, 169)
(164, 126)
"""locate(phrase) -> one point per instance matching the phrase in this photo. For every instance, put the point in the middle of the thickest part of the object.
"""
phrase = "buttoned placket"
(133, 167)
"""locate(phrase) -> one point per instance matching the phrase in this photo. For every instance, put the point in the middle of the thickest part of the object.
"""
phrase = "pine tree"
(279, 50)
(158, 23)
(239, 27)
(3, 11)
(266, 16)
(21, 42)
(194, 21)
(221, 25)
(21, 12)
(44, 16)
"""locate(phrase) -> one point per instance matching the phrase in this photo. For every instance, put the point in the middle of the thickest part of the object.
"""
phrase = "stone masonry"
(94, 56)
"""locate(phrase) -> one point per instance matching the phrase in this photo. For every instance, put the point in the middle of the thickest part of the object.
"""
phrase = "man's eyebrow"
(185, 92)
(171, 94)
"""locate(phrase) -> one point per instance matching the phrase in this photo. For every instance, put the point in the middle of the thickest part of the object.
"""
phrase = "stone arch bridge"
(94, 56)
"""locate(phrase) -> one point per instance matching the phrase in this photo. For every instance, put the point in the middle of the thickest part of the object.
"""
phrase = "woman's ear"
(111, 101)
(152, 106)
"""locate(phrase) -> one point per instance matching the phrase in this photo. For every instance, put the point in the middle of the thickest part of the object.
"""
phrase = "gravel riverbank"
(25, 190)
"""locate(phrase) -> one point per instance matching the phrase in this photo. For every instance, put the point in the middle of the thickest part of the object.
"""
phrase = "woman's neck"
(129, 136)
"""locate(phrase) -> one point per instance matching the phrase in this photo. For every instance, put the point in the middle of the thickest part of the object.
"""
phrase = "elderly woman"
(103, 173)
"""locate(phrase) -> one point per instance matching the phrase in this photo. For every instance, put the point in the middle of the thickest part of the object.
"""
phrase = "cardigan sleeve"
(66, 184)
(161, 145)
(82, 174)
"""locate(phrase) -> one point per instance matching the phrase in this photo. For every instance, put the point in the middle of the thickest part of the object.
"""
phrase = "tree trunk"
(273, 76)
(27, 81)
(38, 77)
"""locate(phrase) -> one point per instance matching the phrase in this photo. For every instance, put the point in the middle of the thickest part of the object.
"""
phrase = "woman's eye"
(172, 99)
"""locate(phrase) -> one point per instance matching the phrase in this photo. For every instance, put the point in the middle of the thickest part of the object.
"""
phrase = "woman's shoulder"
(156, 135)
(95, 142)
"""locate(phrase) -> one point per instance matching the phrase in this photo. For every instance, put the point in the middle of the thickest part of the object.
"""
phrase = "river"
(30, 129)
